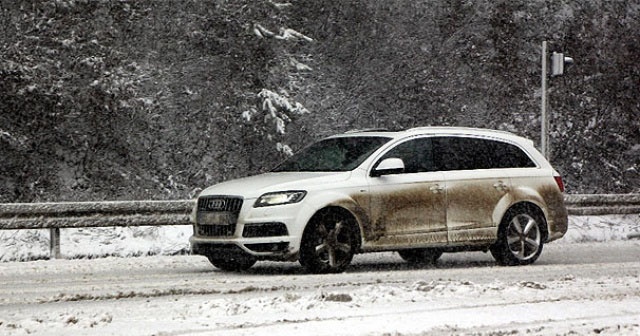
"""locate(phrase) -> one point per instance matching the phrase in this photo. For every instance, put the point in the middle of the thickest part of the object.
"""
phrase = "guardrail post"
(54, 243)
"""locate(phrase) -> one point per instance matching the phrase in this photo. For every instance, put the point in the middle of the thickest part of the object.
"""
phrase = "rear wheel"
(232, 264)
(421, 256)
(520, 237)
(329, 242)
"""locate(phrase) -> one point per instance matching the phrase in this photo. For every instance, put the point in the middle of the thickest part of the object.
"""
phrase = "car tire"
(422, 256)
(521, 236)
(235, 264)
(328, 242)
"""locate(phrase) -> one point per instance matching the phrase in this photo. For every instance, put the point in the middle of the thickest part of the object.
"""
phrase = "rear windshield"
(333, 155)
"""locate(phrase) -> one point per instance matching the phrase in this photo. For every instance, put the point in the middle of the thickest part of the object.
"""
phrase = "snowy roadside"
(560, 299)
(22, 245)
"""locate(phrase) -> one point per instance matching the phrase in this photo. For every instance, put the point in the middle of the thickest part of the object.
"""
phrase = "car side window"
(416, 154)
(457, 153)
(460, 153)
(510, 156)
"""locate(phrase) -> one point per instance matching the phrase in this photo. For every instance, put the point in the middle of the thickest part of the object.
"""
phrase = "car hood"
(255, 186)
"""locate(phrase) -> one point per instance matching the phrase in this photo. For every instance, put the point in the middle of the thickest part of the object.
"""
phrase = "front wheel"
(520, 237)
(328, 243)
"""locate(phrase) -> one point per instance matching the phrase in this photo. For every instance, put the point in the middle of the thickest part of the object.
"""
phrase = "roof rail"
(432, 128)
(367, 130)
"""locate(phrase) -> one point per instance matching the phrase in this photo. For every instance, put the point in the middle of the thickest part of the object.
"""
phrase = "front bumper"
(275, 248)
(267, 233)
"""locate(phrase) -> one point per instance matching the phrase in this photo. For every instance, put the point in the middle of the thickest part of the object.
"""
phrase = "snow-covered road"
(574, 288)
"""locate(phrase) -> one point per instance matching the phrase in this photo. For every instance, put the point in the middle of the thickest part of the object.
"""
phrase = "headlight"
(280, 197)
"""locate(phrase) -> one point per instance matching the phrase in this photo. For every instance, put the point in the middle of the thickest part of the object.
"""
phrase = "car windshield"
(335, 154)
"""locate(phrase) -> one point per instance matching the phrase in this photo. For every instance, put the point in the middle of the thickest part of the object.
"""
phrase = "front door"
(409, 208)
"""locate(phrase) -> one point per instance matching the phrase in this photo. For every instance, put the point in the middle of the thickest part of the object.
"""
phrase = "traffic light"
(558, 63)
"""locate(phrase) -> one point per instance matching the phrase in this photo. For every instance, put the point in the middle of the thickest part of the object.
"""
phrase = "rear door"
(474, 187)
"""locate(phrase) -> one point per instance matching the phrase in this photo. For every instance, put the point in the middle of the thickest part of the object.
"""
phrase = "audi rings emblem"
(216, 204)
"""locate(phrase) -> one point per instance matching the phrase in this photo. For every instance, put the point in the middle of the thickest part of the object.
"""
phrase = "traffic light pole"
(544, 129)
(558, 64)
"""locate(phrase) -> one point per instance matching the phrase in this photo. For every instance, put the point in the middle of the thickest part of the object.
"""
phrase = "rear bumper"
(558, 223)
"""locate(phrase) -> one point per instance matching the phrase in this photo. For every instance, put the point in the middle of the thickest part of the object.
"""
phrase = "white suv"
(420, 192)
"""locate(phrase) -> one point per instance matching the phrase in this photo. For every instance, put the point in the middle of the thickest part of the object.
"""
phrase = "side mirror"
(388, 166)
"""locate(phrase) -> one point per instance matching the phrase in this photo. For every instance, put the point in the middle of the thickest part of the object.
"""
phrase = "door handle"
(436, 189)
(501, 186)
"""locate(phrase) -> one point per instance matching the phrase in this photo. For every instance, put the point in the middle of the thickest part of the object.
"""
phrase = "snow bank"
(171, 240)
(602, 228)
(25, 245)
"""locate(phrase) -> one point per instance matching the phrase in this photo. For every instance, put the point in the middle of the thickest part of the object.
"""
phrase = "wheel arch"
(343, 211)
(525, 197)
(534, 208)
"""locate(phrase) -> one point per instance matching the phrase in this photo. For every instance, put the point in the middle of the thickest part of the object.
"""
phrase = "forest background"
(111, 100)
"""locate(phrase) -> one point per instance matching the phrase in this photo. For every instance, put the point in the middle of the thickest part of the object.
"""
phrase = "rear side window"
(506, 155)
(461, 153)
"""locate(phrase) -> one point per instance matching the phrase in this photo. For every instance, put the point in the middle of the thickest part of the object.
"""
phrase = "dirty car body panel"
(425, 189)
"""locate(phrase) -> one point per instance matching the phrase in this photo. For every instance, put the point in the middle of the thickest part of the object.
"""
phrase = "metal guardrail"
(94, 214)
(602, 204)
(54, 216)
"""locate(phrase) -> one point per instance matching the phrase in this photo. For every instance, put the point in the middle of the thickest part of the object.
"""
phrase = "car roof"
(438, 130)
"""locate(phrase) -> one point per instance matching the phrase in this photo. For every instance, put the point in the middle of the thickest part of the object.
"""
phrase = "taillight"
(559, 182)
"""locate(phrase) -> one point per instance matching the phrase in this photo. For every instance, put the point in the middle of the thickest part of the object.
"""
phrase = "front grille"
(217, 215)
(220, 204)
